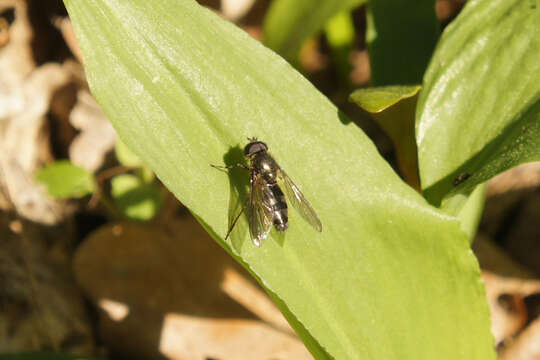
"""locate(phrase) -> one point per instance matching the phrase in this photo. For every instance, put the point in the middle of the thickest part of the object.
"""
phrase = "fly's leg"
(235, 221)
(228, 167)
(245, 167)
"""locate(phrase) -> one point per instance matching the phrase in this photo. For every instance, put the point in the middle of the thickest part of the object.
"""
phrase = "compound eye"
(254, 147)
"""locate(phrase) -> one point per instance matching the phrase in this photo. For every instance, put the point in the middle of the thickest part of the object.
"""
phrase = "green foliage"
(289, 23)
(65, 180)
(479, 112)
(136, 199)
(377, 99)
(401, 36)
(390, 277)
(340, 34)
(393, 107)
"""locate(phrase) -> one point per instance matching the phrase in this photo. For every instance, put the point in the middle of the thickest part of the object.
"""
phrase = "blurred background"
(98, 258)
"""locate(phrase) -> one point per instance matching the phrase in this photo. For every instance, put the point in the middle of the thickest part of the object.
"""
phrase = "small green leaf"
(289, 23)
(479, 111)
(401, 36)
(377, 99)
(65, 180)
(137, 200)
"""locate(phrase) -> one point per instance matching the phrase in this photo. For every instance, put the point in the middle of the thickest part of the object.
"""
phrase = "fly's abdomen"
(279, 207)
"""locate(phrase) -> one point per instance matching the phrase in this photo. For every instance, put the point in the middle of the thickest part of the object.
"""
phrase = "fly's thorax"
(264, 164)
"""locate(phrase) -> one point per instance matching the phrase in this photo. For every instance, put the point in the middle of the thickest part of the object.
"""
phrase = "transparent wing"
(259, 213)
(298, 201)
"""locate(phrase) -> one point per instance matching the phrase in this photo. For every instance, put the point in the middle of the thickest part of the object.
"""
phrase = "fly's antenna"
(253, 139)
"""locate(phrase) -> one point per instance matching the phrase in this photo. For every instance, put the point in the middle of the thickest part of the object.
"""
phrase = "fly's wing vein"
(259, 214)
(298, 201)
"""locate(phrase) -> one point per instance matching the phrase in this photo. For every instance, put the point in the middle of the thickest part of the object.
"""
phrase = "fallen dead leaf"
(235, 9)
(66, 28)
(522, 177)
(526, 346)
(25, 96)
(505, 297)
(171, 292)
(97, 135)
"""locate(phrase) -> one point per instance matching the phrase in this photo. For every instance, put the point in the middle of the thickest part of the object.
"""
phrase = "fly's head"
(254, 147)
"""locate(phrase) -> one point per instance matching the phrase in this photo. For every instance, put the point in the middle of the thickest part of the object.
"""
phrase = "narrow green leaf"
(401, 36)
(394, 109)
(479, 112)
(468, 209)
(289, 23)
(137, 200)
(389, 277)
(65, 180)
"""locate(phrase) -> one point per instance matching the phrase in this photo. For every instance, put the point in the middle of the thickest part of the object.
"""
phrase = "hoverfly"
(266, 205)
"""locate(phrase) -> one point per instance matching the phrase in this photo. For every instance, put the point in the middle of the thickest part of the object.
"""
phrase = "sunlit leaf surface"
(389, 277)
(479, 110)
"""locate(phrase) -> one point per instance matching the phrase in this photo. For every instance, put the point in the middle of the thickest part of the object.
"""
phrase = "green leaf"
(470, 211)
(65, 180)
(401, 36)
(137, 200)
(394, 109)
(479, 111)
(289, 23)
(389, 277)
(377, 99)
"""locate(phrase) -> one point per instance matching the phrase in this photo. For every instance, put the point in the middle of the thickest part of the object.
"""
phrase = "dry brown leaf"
(66, 28)
(526, 346)
(235, 9)
(522, 177)
(505, 297)
(173, 292)
(25, 96)
(97, 135)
